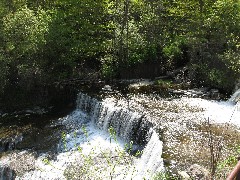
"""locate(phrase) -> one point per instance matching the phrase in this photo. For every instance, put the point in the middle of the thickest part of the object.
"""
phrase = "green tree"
(77, 37)
(216, 51)
(24, 35)
(24, 32)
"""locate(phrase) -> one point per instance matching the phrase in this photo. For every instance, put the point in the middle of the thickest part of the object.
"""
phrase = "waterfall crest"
(129, 125)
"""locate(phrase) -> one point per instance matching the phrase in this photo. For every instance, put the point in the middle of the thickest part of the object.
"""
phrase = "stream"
(116, 136)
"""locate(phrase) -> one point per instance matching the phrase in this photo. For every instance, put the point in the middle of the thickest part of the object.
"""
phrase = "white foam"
(218, 112)
(235, 97)
(93, 141)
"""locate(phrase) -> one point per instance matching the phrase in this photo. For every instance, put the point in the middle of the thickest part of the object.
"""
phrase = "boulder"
(16, 163)
(22, 162)
(214, 93)
(198, 172)
(9, 143)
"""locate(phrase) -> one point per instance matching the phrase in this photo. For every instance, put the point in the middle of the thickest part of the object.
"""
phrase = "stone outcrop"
(16, 164)
(9, 143)
(195, 172)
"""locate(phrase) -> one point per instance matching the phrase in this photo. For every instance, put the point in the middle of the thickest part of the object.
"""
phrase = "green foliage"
(76, 37)
(232, 61)
(56, 40)
(217, 52)
(23, 35)
(164, 176)
(174, 52)
(108, 69)
(85, 131)
(112, 133)
(64, 140)
(216, 77)
(164, 84)
(230, 161)
(227, 165)
(24, 31)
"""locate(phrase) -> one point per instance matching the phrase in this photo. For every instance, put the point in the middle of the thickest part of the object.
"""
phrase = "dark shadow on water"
(31, 131)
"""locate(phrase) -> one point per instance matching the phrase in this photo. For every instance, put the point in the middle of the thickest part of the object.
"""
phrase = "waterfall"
(130, 126)
(235, 98)
(151, 160)
(87, 138)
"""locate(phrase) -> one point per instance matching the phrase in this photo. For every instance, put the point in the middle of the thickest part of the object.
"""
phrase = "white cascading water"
(130, 126)
(151, 160)
(88, 129)
(235, 97)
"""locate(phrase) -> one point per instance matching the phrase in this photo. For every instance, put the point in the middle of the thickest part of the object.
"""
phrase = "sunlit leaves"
(232, 60)
(224, 16)
(24, 31)
(63, 35)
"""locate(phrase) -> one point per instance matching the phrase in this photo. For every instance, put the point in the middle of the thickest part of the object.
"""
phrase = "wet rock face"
(141, 131)
(10, 143)
(16, 164)
(6, 173)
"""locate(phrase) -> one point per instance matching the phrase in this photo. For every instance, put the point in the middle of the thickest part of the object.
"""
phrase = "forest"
(44, 42)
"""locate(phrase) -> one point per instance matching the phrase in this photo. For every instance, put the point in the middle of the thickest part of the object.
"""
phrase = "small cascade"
(85, 103)
(235, 98)
(129, 125)
(151, 160)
